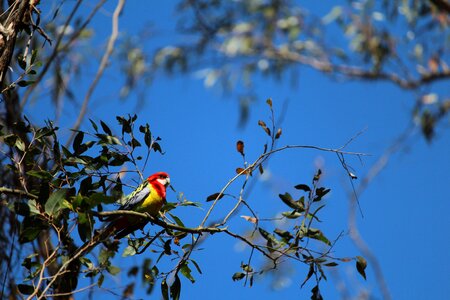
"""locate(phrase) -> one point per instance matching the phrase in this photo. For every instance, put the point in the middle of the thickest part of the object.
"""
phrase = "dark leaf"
(196, 266)
(94, 125)
(25, 289)
(303, 187)
(317, 175)
(164, 290)
(361, 265)
(78, 141)
(238, 276)
(30, 228)
(240, 147)
(101, 278)
(175, 288)
(260, 168)
(320, 192)
(289, 201)
(243, 171)
(278, 134)
(85, 226)
(316, 293)
(105, 128)
(156, 147)
(214, 196)
(24, 83)
(310, 273)
(264, 126)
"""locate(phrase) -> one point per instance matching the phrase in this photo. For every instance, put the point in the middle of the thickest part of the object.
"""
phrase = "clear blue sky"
(405, 208)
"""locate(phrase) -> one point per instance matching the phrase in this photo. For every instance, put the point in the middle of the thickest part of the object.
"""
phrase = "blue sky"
(405, 208)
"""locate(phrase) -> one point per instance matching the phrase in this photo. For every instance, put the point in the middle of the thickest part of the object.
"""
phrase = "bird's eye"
(162, 176)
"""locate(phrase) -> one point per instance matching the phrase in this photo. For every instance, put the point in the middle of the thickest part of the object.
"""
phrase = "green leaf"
(175, 288)
(113, 270)
(186, 271)
(272, 242)
(100, 198)
(177, 220)
(318, 235)
(101, 278)
(291, 214)
(361, 265)
(286, 235)
(289, 201)
(129, 251)
(40, 174)
(54, 203)
(238, 276)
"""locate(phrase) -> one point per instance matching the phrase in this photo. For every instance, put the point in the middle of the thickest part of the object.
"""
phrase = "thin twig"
(101, 68)
(355, 235)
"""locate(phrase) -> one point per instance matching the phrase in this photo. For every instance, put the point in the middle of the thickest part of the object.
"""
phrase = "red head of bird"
(160, 181)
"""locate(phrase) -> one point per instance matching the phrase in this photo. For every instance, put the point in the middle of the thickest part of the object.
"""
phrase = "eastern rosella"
(149, 197)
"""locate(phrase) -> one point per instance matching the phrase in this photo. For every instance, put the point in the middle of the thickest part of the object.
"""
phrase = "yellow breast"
(152, 204)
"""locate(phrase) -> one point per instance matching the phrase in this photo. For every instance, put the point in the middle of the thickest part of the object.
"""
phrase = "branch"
(8, 191)
(57, 49)
(355, 235)
(356, 72)
(9, 34)
(101, 68)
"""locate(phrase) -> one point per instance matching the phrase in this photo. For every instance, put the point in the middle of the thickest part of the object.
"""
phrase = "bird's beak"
(167, 182)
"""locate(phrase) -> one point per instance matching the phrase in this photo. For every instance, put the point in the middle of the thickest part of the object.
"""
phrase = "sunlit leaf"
(54, 203)
(250, 219)
(186, 271)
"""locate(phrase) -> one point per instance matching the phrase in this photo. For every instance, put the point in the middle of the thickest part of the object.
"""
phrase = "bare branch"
(101, 68)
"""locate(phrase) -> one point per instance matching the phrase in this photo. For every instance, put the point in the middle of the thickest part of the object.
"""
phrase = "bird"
(149, 197)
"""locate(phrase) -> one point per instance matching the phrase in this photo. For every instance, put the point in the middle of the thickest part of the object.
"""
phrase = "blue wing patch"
(139, 195)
